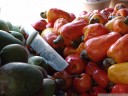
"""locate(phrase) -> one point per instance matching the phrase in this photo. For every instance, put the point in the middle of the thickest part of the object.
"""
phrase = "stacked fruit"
(94, 44)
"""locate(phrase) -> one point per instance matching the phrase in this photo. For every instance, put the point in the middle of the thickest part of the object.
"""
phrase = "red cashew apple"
(76, 64)
(82, 83)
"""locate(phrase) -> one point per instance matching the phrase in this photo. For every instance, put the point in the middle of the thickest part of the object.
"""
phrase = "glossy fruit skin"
(118, 73)
(65, 76)
(90, 30)
(93, 46)
(100, 17)
(71, 31)
(107, 11)
(76, 64)
(69, 50)
(91, 67)
(48, 35)
(120, 26)
(120, 88)
(58, 23)
(123, 12)
(82, 83)
(39, 25)
(101, 78)
(52, 14)
(118, 50)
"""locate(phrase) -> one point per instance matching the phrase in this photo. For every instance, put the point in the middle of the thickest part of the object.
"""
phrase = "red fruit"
(49, 37)
(76, 64)
(97, 90)
(50, 25)
(58, 23)
(107, 11)
(82, 83)
(101, 77)
(40, 25)
(72, 16)
(91, 67)
(120, 88)
(65, 76)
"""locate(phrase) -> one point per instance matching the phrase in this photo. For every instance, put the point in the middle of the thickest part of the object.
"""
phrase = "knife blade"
(44, 49)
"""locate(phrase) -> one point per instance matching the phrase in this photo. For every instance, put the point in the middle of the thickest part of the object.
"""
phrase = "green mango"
(4, 25)
(6, 39)
(10, 26)
(48, 88)
(15, 28)
(38, 60)
(17, 35)
(20, 79)
(14, 53)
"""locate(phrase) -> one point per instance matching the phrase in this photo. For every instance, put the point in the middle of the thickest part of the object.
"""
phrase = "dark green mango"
(6, 39)
(17, 35)
(20, 79)
(3, 25)
(14, 53)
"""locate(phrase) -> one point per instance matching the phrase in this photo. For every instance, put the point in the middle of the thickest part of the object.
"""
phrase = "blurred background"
(27, 11)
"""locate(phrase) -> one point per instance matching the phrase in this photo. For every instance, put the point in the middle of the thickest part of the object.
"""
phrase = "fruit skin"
(118, 50)
(14, 53)
(53, 14)
(82, 83)
(38, 60)
(20, 79)
(120, 88)
(6, 38)
(15, 28)
(90, 30)
(48, 88)
(17, 35)
(43, 71)
(93, 46)
(39, 25)
(41, 63)
(49, 35)
(101, 77)
(70, 32)
(100, 17)
(91, 67)
(10, 26)
(64, 75)
(58, 23)
(76, 64)
(120, 25)
(4, 25)
(118, 73)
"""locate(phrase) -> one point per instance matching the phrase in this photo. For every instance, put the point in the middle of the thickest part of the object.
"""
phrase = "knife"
(44, 49)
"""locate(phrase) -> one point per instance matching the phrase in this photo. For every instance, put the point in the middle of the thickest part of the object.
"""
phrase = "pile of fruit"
(94, 44)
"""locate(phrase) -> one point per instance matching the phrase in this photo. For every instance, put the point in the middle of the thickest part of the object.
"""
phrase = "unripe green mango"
(14, 53)
(6, 39)
(17, 35)
(20, 79)
(3, 25)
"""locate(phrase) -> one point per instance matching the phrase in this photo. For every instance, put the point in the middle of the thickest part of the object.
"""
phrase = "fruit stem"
(43, 14)
(126, 20)
(58, 40)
